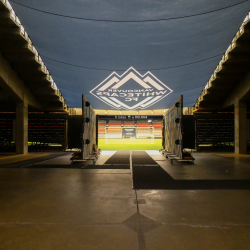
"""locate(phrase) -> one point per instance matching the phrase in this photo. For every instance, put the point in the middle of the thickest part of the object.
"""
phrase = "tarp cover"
(181, 51)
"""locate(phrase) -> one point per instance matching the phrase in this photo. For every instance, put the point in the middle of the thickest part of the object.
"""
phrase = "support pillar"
(240, 128)
(21, 128)
(66, 128)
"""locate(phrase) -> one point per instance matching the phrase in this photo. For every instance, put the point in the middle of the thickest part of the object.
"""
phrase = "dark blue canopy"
(181, 51)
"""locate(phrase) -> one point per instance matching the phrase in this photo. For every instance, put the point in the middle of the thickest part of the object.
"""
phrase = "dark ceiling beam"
(229, 82)
(23, 63)
(14, 87)
(240, 93)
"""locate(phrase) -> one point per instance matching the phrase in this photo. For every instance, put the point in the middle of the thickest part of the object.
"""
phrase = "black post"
(83, 123)
(97, 118)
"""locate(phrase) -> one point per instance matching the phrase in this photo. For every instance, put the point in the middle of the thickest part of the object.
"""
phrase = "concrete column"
(66, 128)
(240, 128)
(21, 128)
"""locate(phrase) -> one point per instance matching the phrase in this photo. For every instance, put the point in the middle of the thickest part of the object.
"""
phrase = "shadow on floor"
(79, 166)
(154, 177)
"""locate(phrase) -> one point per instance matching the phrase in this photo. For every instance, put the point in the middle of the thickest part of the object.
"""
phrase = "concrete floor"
(98, 209)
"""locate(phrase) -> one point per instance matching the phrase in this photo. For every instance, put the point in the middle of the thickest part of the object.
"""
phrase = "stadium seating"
(128, 124)
(143, 128)
(101, 129)
(157, 129)
(46, 130)
(6, 131)
(143, 123)
(215, 132)
(114, 132)
(41, 132)
(144, 132)
(114, 123)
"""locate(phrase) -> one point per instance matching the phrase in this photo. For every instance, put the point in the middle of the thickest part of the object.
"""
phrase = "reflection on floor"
(47, 203)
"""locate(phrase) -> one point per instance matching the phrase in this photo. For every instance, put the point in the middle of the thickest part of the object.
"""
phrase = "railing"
(224, 58)
(25, 35)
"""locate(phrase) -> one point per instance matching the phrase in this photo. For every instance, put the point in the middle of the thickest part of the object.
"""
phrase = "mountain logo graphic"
(131, 90)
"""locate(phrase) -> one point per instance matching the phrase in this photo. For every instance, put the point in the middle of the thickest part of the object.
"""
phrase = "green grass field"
(125, 144)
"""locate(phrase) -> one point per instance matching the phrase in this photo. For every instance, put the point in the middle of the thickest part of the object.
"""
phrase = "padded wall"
(89, 127)
(173, 129)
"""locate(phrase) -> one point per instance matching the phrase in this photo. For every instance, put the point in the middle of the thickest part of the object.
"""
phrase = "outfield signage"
(131, 90)
(130, 117)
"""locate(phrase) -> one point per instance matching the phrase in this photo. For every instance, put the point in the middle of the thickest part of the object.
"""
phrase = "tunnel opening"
(130, 132)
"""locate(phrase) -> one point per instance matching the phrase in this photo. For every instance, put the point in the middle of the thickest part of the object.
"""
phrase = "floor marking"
(59, 223)
(130, 163)
(22, 159)
(219, 225)
(116, 164)
(97, 173)
(141, 237)
(43, 161)
(130, 159)
(151, 192)
(12, 156)
(146, 165)
(140, 234)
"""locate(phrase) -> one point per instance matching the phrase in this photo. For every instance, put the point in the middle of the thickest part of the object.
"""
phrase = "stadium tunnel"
(124, 118)
(36, 74)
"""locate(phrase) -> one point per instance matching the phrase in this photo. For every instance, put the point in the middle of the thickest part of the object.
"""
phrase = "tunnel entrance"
(130, 132)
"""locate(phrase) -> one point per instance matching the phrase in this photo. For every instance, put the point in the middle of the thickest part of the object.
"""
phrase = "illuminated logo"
(131, 90)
